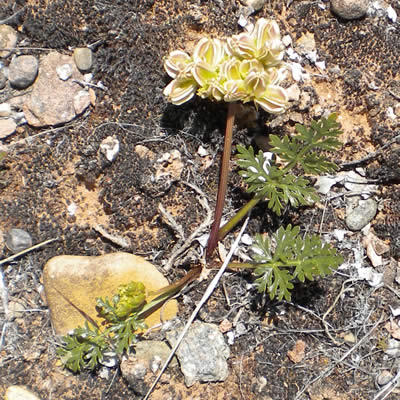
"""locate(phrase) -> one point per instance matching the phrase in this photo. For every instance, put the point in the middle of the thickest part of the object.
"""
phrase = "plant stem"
(223, 180)
(237, 217)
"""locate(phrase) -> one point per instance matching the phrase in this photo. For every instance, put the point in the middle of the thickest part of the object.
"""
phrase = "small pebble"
(81, 101)
(5, 110)
(83, 58)
(18, 240)
(384, 377)
(350, 9)
(7, 127)
(20, 393)
(8, 40)
(23, 71)
(64, 71)
(360, 216)
(110, 147)
(255, 4)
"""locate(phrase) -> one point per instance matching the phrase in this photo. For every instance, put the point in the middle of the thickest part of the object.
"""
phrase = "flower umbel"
(245, 67)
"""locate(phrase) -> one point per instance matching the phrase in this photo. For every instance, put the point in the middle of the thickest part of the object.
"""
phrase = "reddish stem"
(223, 180)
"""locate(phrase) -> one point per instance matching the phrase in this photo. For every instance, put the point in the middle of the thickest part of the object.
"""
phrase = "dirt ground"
(48, 169)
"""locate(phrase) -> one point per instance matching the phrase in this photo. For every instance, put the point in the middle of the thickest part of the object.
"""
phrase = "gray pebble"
(361, 215)
(18, 240)
(350, 9)
(23, 71)
(202, 353)
(8, 40)
(83, 58)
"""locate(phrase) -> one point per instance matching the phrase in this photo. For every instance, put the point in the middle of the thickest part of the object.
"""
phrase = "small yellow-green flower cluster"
(245, 67)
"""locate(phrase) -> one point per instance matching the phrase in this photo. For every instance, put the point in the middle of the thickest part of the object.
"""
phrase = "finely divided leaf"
(269, 182)
(288, 256)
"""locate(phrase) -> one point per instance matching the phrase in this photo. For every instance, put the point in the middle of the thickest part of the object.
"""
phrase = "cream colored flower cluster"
(245, 67)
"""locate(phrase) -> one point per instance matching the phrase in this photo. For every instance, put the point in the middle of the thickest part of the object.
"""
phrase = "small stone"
(397, 109)
(149, 350)
(18, 240)
(83, 58)
(23, 71)
(5, 110)
(20, 393)
(64, 71)
(110, 147)
(384, 378)
(202, 353)
(81, 101)
(361, 215)
(293, 92)
(255, 4)
(350, 9)
(15, 310)
(8, 40)
(393, 348)
(7, 127)
(85, 278)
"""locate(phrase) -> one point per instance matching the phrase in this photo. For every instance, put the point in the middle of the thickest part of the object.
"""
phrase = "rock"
(384, 378)
(7, 127)
(20, 393)
(149, 357)
(15, 310)
(5, 110)
(81, 101)
(64, 71)
(83, 58)
(18, 240)
(350, 9)
(361, 215)
(8, 40)
(254, 4)
(52, 100)
(110, 147)
(82, 279)
(393, 348)
(23, 71)
(153, 352)
(202, 354)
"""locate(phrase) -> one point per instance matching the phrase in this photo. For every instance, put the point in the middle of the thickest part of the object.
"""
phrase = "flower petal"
(203, 72)
(180, 91)
(274, 100)
(176, 62)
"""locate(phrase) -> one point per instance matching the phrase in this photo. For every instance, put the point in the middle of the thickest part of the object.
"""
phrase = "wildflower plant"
(248, 67)
(89, 345)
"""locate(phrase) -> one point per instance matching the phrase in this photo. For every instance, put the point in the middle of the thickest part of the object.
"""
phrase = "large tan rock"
(82, 279)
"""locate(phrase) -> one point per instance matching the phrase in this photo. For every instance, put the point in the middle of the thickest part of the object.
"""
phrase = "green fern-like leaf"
(269, 182)
(287, 256)
(83, 348)
(304, 148)
(124, 333)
